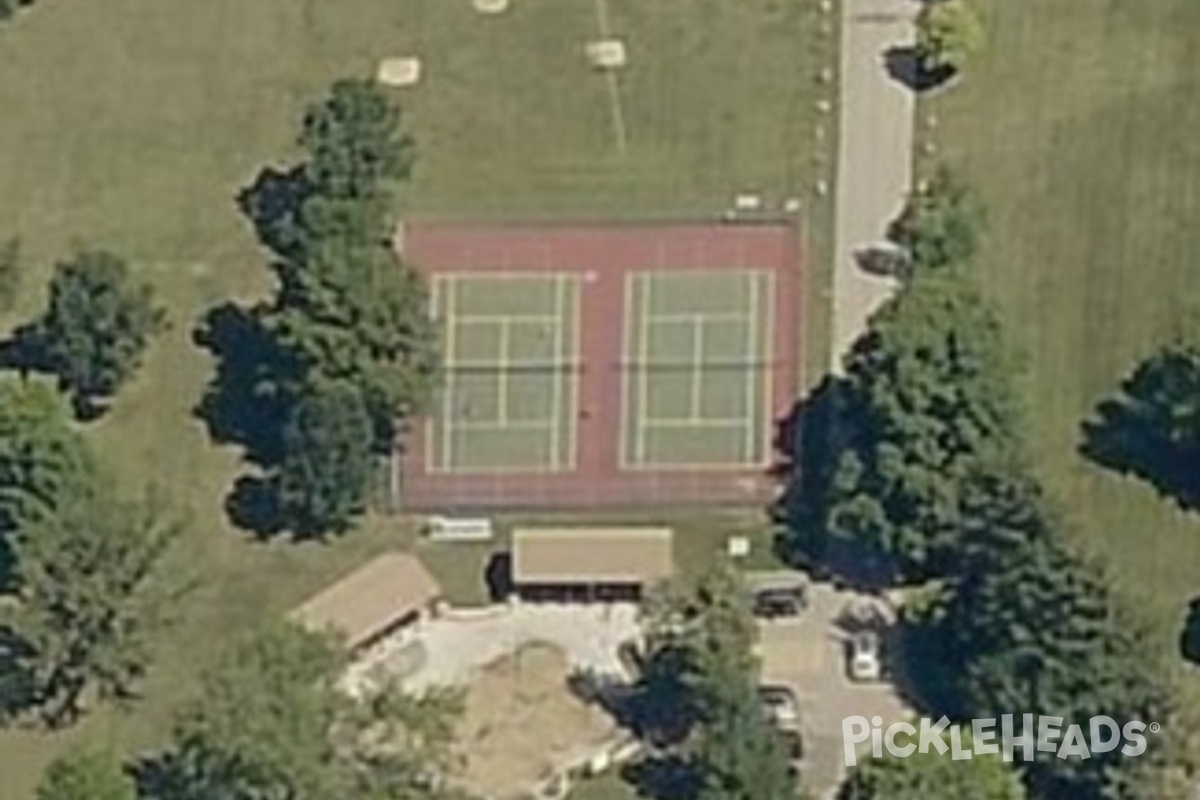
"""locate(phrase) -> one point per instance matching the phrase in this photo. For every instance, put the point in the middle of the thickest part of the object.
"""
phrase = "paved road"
(874, 156)
(808, 655)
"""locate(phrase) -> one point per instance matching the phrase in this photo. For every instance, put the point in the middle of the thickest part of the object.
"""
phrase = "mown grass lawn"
(1079, 127)
(132, 124)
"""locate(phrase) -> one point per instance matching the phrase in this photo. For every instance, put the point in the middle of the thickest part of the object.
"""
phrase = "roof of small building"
(370, 599)
(591, 555)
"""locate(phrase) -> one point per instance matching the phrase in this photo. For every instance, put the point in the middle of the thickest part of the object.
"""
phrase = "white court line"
(556, 392)
(675, 317)
(623, 361)
(577, 358)
(752, 378)
(448, 393)
(504, 425)
(696, 422)
(643, 353)
(492, 319)
(768, 383)
(696, 366)
(502, 374)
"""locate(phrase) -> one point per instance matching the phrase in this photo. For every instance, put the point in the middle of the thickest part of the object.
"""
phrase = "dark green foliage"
(346, 306)
(88, 598)
(1189, 643)
(271, 723)
(42, 459)
(10, 271)
(96, 327)
(326, 467)
(354, 142)
(1027, 626)
(700, 648)
(9, 8)
(86, 775)
(361, 317)
(930, 776)
(940, 225)
(347, 310)
(926, 398)
(1151, 428)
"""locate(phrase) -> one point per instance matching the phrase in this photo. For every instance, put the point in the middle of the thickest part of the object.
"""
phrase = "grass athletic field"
(1079, 128)
(604, 364)
(139, 139)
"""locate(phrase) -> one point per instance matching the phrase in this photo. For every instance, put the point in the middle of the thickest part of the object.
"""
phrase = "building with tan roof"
(386, 594)
(590, 563)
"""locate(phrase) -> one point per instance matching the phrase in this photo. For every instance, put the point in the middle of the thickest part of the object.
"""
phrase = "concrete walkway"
(874, 156)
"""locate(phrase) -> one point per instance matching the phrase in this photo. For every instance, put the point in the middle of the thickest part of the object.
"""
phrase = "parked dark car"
(774, 603)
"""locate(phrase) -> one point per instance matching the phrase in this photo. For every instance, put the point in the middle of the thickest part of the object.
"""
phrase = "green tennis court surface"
(510, 345)
(698, 369)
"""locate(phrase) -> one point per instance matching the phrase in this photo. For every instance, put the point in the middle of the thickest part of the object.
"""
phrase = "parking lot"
(806, 653)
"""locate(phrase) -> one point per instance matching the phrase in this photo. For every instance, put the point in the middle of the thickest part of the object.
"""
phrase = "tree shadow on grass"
(811, 440)
(272, 203)
(1132, 434)
(664, 777)
(903, 64)
(245, 403)
(1189, 640)
(252, 505)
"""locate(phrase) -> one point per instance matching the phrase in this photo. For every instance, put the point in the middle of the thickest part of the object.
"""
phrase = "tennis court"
(510, 344)
(697, 377)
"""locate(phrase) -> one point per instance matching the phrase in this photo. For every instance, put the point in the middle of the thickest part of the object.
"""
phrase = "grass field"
(1080, 130)
(133, 124)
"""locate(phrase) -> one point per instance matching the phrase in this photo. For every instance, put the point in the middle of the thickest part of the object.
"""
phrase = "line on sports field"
(610, 79)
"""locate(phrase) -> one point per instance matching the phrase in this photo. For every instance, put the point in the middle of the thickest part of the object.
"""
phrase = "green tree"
(42, 458)
(270, 722)
(327, 462)
(949, 34)
(89, 594)
(926, 399)
(347, 307)
(355, 143)
(10, 272)
(934, 776)
(1030, 627)
(362, 317)
(86, 775)
(1151, 427)
(96, 327)
(705, 634)
(940, 225)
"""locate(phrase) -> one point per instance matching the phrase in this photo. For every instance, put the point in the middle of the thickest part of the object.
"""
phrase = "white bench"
(459, 529)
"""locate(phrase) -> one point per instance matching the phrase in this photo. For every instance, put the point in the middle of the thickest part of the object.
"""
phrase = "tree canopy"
(1151, 427)
(925, 399)
(327, 462)
(934, 776)
(96, 326)
(1028, 626)
(949, 34)
(941, 223)
(270, 722)
(347, 310)
(89, 594)
(700, 644)
(86, 775)
(42, 459)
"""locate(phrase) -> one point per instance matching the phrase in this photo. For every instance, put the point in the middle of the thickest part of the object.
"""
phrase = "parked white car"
(864, 661)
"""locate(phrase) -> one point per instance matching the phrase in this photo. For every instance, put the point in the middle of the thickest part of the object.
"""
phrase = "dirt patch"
(521, 722)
